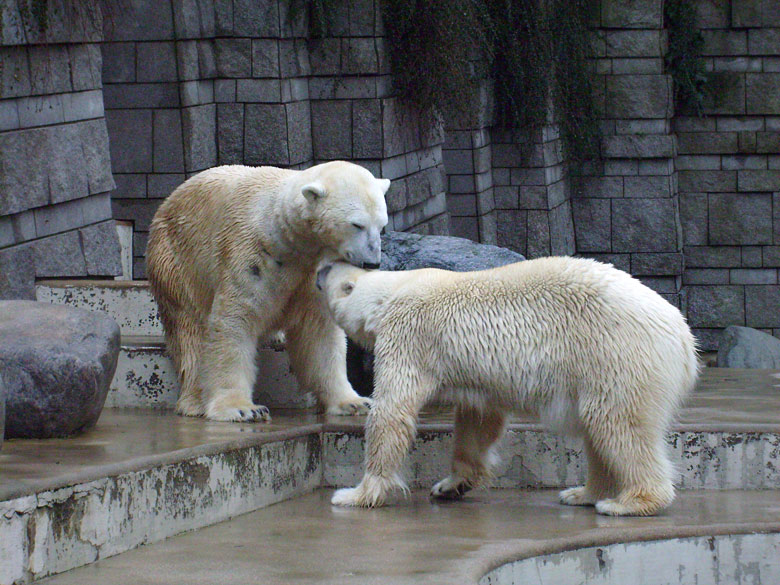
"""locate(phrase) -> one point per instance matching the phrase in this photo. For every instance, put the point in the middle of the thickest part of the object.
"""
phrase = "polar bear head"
(356, 299)
(345, 207)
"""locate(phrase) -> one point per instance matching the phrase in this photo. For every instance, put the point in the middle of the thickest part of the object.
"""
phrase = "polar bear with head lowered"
(584, 345)
(232, 258)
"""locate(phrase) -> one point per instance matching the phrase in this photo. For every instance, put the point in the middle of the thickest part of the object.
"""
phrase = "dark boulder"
(57, 365)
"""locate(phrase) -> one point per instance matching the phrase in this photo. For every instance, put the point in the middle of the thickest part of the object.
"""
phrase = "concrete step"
(491, 537)
(128, 302)
(143, 475)
(145, 376)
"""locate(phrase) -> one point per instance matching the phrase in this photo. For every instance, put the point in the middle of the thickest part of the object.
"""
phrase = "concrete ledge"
(53, 531)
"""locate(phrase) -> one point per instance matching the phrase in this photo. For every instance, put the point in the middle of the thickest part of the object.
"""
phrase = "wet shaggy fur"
(231, 259)
(586, 346)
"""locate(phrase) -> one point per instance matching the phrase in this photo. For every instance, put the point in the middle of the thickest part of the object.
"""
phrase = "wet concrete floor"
(412, 541)
(131, 439)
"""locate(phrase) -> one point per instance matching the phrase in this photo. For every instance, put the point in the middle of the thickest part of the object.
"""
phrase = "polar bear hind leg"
(476, 434)
(635, 455)
(317, 348)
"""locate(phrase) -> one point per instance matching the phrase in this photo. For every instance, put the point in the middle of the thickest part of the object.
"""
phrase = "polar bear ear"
(384, 184)
(313, 191)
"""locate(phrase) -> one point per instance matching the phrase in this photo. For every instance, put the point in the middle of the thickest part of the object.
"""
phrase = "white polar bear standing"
(231, 258)
(581, 343)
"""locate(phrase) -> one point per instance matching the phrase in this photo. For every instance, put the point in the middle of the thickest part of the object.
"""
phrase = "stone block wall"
(235, 82)
(55, 174)
(627, 212)
(729, 173)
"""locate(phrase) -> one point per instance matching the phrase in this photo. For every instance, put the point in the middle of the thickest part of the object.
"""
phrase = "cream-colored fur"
(586, 346)
(231, 259)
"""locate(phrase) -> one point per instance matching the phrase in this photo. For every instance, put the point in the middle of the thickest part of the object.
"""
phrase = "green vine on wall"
(535, 52)
(683, 60)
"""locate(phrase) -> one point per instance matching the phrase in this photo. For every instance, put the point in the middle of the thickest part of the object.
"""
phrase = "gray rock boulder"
(743, 347)
(403, 251)
(57, 364)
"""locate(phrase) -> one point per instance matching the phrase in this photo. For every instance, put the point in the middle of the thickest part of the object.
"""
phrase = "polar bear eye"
(358, 226)
(347, 287)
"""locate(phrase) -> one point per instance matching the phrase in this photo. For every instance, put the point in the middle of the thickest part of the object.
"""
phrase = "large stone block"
(118, 62)
(562, 242)
(661, 264)
(359, 56)
(140, 211)
(15, 75)
(168, 150)
(199, 128)
(706, 142)
(49, 69)
(259, 90)
(638, 146)
(86, 66)
(367, 129)
(95, 143)
(712, 256)
(724, 93)
(57, 364)
(265, 139)
(331, 124)
(716, 306)
(765, 41)
(707, 181)
(648, 187)
(762, 303)
(693, 218)
(156, 62)
(256, 18)
(632, 14)
(644, 225)
(754, 13)
(142, 20)
(230, 133)
(592, 224)
(130, 136)
(294, 58)
(59, 256)
(634, 43)
(17, 272)
(141, 95)
(740, 219)
(763, 93)
(102, 252)
(743, 347)
(758, 180)
(639, 96)
(233, 57)
(724, 42)
(65, 163)
(299, 133)
(194, 18)
(24, 181)
(511, 229)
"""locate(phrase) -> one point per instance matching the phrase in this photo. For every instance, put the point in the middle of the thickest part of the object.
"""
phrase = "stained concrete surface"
(128, 439)
(133, 439)
(413, 541)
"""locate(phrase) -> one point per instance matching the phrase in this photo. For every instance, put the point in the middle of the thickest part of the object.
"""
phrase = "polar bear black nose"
(370, 265)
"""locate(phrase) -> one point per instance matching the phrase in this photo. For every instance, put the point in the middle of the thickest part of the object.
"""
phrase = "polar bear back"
(541, 328)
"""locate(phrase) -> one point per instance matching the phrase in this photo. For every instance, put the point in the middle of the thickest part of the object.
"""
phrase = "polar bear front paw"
(576, 496)
(450, 488)
(346, 497)
(253, 413)
(359, 405)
